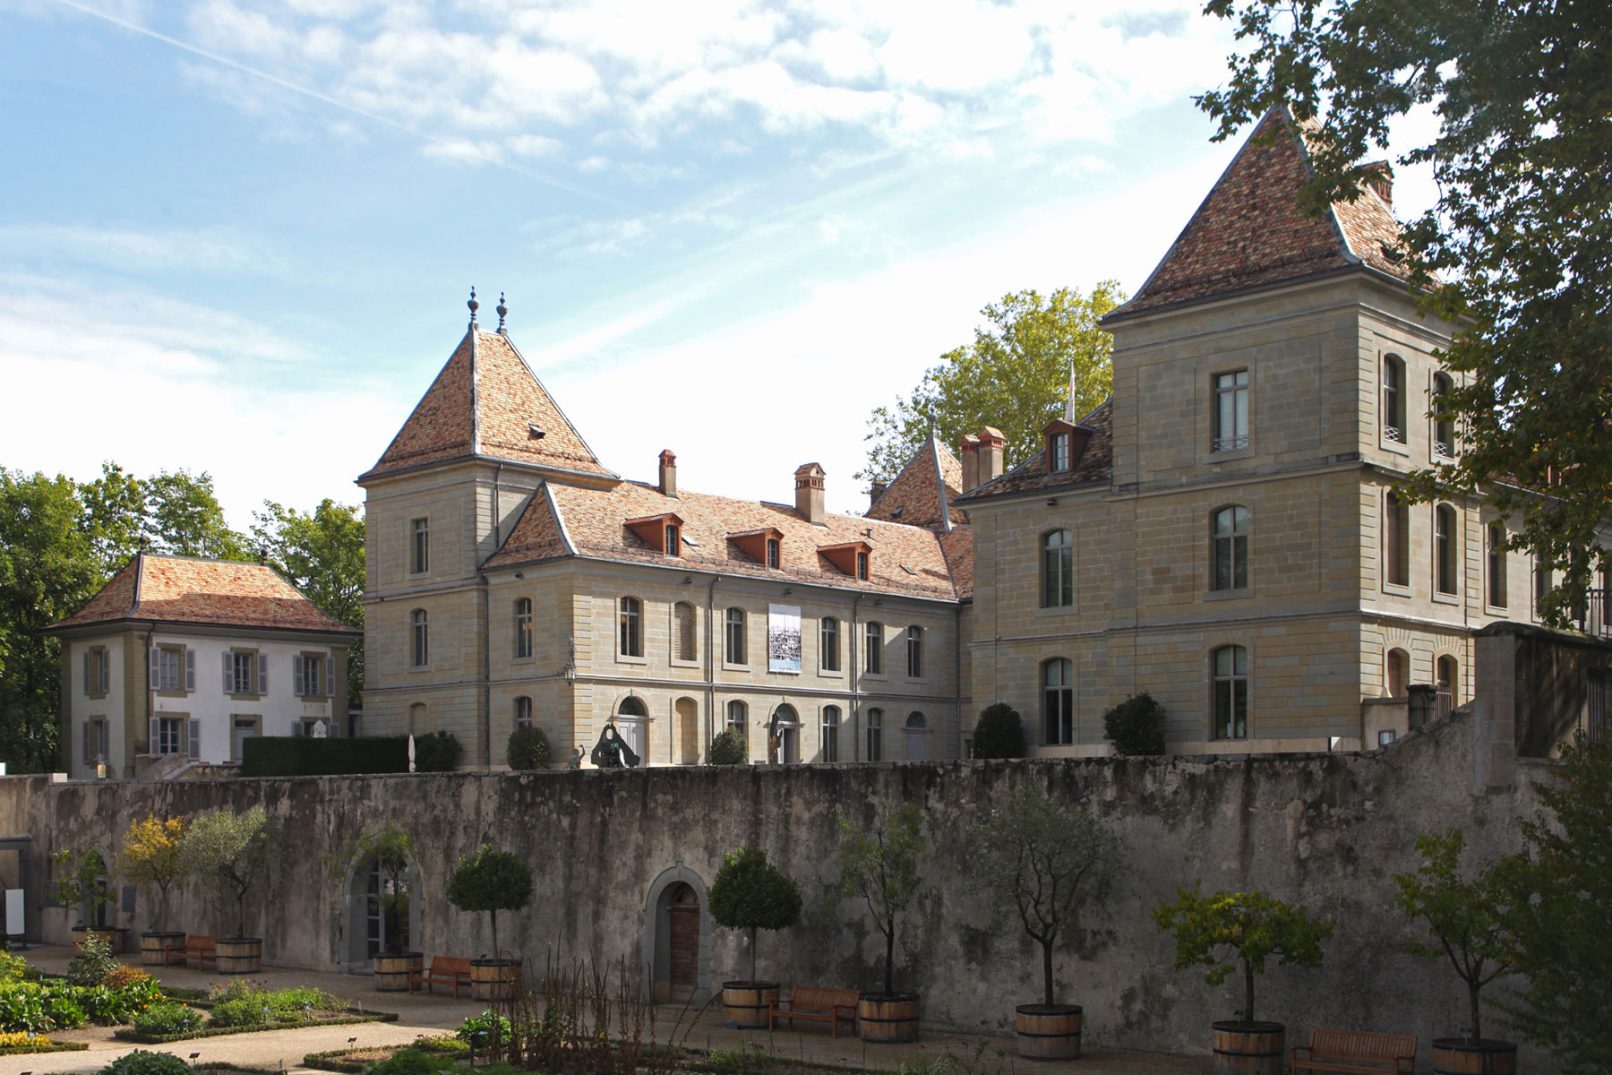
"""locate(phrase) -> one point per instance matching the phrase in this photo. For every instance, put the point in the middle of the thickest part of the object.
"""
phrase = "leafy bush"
(441, 1043)
(62, 1009)
(123, 975)
(481, 1029)
(414, 1062)
(436, 752)
(22, 1007)
(168, 1018)
(999, 733)
(528, 749)
(93, 963)
(243, 1004)
(13, 968)
(1136, 725)
(141, 1062)
(116, 1004)
(726, 749)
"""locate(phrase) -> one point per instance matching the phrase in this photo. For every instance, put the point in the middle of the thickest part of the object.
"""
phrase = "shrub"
(168, 1018)
(13, 968)
(22, 1007)
(436, 752)
(112, 1005)
(999, 733)
(242, 1011)
(93, 963)
(751, 893)
(62, 1009)
(233, 850)
(481, 1030)
(414, 1062)
(141, 1062)
(151, 856)
(528, 749)
(726, 749)
(1136, 725)
(123, 975)
(490, 880)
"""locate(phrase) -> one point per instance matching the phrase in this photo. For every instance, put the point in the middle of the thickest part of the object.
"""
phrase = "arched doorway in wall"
(688, 731)
(383, 913)
(677, 936)
(632, 721)
(783, 735)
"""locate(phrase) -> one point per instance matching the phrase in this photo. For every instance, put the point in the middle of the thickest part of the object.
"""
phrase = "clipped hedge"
(299, 755)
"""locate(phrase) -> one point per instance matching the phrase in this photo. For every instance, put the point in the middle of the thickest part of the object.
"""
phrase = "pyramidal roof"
(1250, 233)
(922, 493)
(486, 403)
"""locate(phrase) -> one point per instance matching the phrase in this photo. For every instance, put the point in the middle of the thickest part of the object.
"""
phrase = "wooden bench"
(1365, 1051)
(444, 970)
(819, 1005)
(198, 947)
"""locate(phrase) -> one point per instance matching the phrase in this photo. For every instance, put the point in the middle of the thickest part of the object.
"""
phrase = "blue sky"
(237, 236)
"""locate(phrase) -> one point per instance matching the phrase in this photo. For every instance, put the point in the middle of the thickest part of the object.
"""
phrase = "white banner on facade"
(783, 638)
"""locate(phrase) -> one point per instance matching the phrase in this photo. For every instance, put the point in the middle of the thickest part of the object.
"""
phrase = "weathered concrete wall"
(1329, 830)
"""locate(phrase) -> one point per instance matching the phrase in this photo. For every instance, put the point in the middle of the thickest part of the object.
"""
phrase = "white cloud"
(127, 249)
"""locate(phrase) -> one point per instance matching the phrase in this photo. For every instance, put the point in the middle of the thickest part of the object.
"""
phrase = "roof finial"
(502, 310)
(474, 305)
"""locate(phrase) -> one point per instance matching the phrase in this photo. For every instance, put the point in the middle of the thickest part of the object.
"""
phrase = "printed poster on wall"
(783, 638)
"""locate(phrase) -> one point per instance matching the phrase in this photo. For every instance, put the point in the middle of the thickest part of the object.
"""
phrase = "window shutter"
(89, 752)
(296, 673)
(89, 684)
(193, 734)
(154, 731)
(103, 674)
(190, 669)
(297, 729)
(229, 679)
(155, 665)
(263, 673)
(330, 677)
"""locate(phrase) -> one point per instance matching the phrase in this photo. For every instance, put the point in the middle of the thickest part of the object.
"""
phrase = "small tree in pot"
(1044, 859)
(81, 883)
(999, 733)
(387, 850)
(751, 893)
(490, 880)
(151, 856)
(881, 866)
(232, 849)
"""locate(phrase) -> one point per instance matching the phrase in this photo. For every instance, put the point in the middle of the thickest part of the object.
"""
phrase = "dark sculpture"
(612, 751)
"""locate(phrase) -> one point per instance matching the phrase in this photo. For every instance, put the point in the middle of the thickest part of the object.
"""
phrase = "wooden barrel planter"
(392, 970)
(494, 979)
(888, 1018)
(1461, 1056)
(155, 944)
(1048, 1031)
(745, 1003)
(1249, 1047)
(239, 955)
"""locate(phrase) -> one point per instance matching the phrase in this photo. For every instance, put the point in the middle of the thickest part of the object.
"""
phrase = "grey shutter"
(296, 673)
(195, 740)
(229, 669)
(330, 677)
(190, 669)
(89, 753)
(154, 731)
(263, 673)
(89, 685)
(155, 665)
(103, 747)
(297, 729)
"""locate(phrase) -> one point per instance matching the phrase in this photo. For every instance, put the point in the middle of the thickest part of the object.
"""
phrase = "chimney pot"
(992, 444)
(668, 473)
(971, 461)
(875, 492)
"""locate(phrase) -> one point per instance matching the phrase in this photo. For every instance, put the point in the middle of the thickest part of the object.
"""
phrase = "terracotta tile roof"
(922, 493)
(484, 403)
(1095, 465)
(958, 547)
(592, 522)
(156, 588)
(1250, 232)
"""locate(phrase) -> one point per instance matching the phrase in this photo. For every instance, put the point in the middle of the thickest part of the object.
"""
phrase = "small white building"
(186, 658)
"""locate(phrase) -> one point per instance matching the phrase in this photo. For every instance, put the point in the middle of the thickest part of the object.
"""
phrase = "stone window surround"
(1250, 393)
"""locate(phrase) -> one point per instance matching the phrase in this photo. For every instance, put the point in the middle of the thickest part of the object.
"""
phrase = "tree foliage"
(1046, 859)
(1228, 930)
(880, 864)
(1136, 725)
(999, 732)
(726, 749)
(1015, 376)
(1520, 240)
(151, 855)
(233, 849)
(387, 849)
(322, 554)
(751, 893)
(80, 881)
(528, 748)
(490, 880)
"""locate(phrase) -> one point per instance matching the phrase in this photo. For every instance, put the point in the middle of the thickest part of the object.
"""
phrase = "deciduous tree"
(322, 553)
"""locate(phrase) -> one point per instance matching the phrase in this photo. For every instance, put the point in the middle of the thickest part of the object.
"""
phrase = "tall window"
(738, 721)
(873, 650)
(875, 735)
(1057, 702)
(1393, 402)
(307, 675)
(170, 735)
(523, 712)
(240, 672)
(772, 552)
(1398, 672)
(683, 623)
(419, 546)
(915, 738)
(1443, 420)
(1445, 560)
(674, 540)
(168, 668)
(733, 636)
(1060, 451)
(523, 627)
(97, 670)
(1230, 553)
(862, 566)
(1396, 539)
(1058, 569)
(831, 733)
(631, 628)
(419, 638)
(1231, 412)
(1446, 675)
(1495, 541)
(828, 635)
(915, 651)
(1541, 586)
(1230, 683)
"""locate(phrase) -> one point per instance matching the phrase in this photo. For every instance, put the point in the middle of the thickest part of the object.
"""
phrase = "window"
(631, 642)
(170, 735)
(738, 722)
(831, 733)
(874, 649)
(1541, 587)
(173, 668)
(240, 672)
(915, 651)
(1231, 412)
(1393, 401)
(1230, 665)
(1057, 702)
(1058, 570)
(1397, 672)
(307, 673)
(419, 546)
(1230, 549)
(1445, 560)
(1446, 675)
(523, 712)
(1496, 544)
(674, 541)
(734, 651)
(862, 566)
(1396, 540)
(523, 627)
(1443, 420)
(829, 644)
(1060, 451)
(772, 553)
(683, 625)
(420, 638)
(97, 670)
(875, 735)
(915, 739)
(94, 734)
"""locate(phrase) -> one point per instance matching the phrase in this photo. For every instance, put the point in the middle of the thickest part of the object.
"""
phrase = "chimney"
(1379, 178)
(668, 472)
(990, 454)
(875, 492)
(971, 461)
(809, 493)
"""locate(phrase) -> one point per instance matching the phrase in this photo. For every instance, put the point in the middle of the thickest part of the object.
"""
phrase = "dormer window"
(773, 546)
(1062, 445)
(854, 558)
(764, 546)
(1060, 451)
(663, 533)
(862, 566)
(673, 547)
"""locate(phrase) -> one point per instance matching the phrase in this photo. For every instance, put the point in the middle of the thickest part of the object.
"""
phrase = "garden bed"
(39, 1044)
(356, 1015)
(355, 1061)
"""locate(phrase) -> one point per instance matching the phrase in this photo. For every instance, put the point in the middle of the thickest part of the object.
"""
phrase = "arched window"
(875, 735)
(523, 712)
(1397, 669)
(739, 722)
(688, 648)
(915, 651)
(1396, 539)
(632, 627)
(828, 658)
(1495, 543)
(785, 725)
(734, 651)
(1057, 569)
(1445, 558)
(523, 627)
(1229, 665)
(1230, 548)
(831, 733)
(1393, 404)
(632, 706)
(873, 663)
(915, 738)
(1443, 419)
(1057, 701)
(419, 638)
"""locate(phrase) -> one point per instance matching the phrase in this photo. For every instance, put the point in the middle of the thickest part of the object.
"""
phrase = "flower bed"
(11, 1044)
(355, 1061)
(243, 1007)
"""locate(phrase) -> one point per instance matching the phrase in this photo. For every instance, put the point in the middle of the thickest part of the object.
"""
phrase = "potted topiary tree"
(1471, 921)
(1044, 859)
(233, 850)
(385, 853)
(751, 893)
(491, 880)
(1228, 931)
(80, 883)
(881, 866)
(999, 733)
(151, 856)
(1135, 726)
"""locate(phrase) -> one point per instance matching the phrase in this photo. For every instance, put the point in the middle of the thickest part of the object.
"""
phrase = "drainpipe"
(486, 677)
(151, 697)
(856, 682)
(710, 668)
(957, 673)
